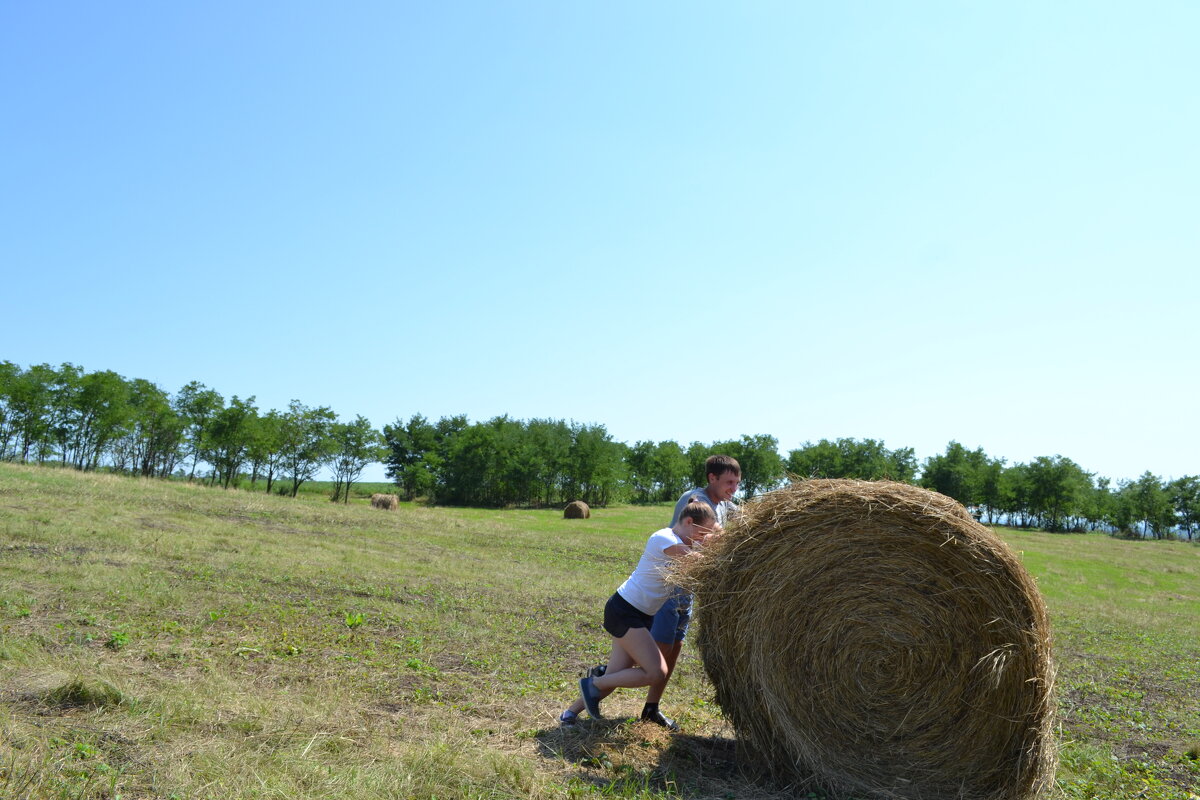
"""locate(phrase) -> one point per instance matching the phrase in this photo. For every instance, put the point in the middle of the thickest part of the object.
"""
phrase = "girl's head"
(696, 520)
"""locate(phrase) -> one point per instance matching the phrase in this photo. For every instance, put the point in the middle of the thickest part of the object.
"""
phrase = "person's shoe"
(591, 697)
(567, 718)
(659, 718)
(597, 671)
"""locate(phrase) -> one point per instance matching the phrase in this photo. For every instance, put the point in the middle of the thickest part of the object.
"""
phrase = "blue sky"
(913, 222)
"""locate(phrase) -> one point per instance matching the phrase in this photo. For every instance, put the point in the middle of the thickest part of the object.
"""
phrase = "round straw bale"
(577, 509)
(873, 639)
(388, 502)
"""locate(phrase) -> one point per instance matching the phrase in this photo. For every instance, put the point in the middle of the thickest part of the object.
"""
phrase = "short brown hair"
(698, 511)
(720, 464)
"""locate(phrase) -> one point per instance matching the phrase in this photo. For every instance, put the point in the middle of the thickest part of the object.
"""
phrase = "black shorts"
(620, 615)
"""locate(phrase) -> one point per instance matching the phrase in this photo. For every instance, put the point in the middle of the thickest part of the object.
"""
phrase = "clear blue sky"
(913, 222)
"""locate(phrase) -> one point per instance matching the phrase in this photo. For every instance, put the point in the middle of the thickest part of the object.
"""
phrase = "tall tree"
(153, 437)
(865, 460)
(597, 465)
(9, 373)
(305, 441)
(355, 445)
(546, 453)
(640, 460)
(1185, 498)
(1151, 505)
(1058, 488)
(1014, 496)
(196, 404)
(991, 486)
(762, 466)
(265, 449)
(30, 408)
(99, 412)
(954, 474)
(227, 439)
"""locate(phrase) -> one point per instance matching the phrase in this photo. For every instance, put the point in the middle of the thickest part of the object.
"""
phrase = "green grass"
(159, 640)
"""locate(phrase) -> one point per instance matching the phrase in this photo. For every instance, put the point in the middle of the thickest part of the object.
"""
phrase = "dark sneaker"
(659, 718)
(591, 698)
(597, 671)
(567, 718)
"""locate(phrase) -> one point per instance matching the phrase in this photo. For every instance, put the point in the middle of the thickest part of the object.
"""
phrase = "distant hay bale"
(388, 502)
(875, 640)
(577, 509)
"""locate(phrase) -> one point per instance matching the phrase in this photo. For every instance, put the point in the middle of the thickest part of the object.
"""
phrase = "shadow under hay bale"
(876, 638)
(577, 509)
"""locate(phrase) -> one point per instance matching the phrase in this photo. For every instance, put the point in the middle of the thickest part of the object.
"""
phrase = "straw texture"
(873, 639)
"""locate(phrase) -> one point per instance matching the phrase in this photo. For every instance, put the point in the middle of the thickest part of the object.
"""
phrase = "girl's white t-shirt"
(647, 588)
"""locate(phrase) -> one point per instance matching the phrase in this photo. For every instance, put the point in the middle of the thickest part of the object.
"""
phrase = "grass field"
(164, 640)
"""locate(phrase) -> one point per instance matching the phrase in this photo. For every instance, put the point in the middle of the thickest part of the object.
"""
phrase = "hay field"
(161, 640)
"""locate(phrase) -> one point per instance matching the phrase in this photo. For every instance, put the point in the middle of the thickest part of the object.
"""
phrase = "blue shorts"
(671, 621)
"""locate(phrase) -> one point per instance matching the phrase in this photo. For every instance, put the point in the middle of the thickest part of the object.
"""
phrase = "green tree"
(991, 486)
(762, 466)
(865, 460)
(151, 443)
(64, 389)
(30, 409)
(196, 405)
(265, 449)
(416, 451)
(1014, 496)
(954, 474)
(99, 412)
(547, 456)
(227, 439)
(657, 472)
(1058, 488)
(468, 472)
(1122, 514)
(1151, 505)
(9, 373)
(596, 470)
(305, 441)
(355, 445)
(1098, 504)
(1185, 498)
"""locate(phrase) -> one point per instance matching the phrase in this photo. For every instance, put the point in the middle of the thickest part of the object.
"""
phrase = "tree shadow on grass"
(625, 757)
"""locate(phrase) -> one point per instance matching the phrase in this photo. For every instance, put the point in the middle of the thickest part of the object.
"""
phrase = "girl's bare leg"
(618, 659)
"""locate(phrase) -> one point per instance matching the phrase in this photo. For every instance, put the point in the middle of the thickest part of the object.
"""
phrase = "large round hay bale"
(388, 502)
(577, 509)
(875, 640)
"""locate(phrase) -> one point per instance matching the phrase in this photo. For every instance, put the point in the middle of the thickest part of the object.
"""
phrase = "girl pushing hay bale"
(874, 639)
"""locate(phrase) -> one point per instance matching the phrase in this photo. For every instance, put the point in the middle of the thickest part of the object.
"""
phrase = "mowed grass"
(165, 640)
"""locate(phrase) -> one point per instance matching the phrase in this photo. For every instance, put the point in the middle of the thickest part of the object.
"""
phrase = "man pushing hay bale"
(874, 639)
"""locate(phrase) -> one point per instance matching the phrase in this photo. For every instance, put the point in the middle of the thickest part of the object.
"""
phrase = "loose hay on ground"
(874, 639)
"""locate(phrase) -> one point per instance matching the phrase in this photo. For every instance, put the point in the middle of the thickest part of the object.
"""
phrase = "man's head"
(724, 475)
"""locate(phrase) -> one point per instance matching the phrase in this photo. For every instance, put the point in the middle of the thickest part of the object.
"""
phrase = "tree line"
(94, 420)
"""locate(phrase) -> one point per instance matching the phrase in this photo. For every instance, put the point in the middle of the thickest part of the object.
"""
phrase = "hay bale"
(388, 502)
(875, 640)
(577, 509)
